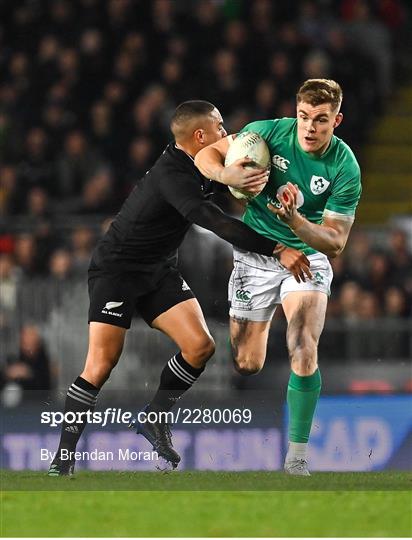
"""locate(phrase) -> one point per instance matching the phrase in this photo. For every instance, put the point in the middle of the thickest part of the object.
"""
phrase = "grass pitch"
(206, 504)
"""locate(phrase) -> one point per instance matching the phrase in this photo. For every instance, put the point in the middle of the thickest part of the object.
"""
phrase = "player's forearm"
(209, 216)
(319, 237)
(210, 162)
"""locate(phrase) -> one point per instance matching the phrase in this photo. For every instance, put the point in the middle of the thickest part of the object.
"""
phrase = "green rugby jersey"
(328, 184)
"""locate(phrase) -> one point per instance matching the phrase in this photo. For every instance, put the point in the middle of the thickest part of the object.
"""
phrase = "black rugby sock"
(177, 377)
(81, 397)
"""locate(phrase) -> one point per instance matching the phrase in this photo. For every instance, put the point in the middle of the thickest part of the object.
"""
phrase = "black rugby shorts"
(115, 299)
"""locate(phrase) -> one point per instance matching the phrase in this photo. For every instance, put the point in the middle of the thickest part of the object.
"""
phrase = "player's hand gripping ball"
(252, 145)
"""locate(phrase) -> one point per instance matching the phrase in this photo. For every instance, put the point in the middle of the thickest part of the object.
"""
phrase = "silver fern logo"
(108, 309)
(113, 305)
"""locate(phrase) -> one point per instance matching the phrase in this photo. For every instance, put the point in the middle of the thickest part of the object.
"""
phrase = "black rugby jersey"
(155, 217)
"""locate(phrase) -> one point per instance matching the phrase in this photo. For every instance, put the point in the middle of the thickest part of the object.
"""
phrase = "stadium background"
(87, 88)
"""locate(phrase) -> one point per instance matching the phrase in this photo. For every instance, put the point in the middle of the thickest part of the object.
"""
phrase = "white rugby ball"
(248, 144)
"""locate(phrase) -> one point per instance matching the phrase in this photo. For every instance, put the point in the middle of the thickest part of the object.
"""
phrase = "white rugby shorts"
(259, 283)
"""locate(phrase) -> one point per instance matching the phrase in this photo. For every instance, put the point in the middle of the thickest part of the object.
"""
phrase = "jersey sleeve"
(209, 216)
(265, 128)
(346, 192)
(182, 190)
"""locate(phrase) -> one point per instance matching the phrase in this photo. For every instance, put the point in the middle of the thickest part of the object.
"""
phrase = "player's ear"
(199, 136)
(338, 120)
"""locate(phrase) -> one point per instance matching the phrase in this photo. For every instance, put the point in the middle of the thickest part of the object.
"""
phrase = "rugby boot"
(160, 436)
(296, 467)
(59, 467)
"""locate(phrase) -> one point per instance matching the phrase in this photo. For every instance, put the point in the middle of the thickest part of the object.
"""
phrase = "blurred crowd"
(30, 367)
(372, 280)
(87, 88)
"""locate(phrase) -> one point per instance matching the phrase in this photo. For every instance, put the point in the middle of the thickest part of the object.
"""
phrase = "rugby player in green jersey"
(309, 204)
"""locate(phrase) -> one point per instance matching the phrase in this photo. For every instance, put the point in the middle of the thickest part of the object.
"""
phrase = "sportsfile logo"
(107, 310)
(280, 163)
(113, 415)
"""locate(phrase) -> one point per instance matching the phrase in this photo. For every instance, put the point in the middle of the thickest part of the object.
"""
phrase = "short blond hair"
(318, 91)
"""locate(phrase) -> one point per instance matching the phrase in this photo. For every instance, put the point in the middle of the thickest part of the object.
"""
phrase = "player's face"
(316, 125)
(213, 129)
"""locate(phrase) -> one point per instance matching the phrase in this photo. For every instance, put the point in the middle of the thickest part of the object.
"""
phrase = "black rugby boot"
(59, 467)
(159, 435)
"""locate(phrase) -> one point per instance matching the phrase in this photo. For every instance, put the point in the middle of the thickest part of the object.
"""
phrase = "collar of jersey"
(180, 150)
(313, 156)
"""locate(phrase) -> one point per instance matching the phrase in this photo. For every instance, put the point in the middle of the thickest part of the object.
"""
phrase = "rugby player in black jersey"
(133, 269)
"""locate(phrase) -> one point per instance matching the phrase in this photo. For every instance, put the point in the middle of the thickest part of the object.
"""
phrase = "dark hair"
(318, 91)
(189, 109)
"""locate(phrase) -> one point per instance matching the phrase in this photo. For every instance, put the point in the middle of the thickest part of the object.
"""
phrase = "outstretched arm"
(209, 216)
(330, 237)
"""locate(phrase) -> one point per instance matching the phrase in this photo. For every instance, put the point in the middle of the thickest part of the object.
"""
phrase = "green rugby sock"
(302, 397)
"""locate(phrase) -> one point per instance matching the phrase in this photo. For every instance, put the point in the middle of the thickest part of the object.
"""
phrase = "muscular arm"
(210, 162)
(209, 216)
(185, 194)
(330, 237)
